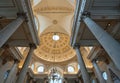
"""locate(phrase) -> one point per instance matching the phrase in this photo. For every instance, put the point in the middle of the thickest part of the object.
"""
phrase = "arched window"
(78, 66)
(6, 74)
(104, 74)
(71, 69)
(40, 69)
(32, 66)
(36, 22)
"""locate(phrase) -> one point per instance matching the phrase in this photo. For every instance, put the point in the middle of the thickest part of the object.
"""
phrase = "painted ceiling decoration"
(54, 13)
(55, 47)
(55, 19)
(55, 22)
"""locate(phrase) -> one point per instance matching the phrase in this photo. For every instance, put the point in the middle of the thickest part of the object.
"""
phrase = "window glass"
(78, 66)
(40, 69)
(36, 2)
(71, 69)
(36, 22)
(104, 74)
(6, 74)
(32, 66)
(56, 37)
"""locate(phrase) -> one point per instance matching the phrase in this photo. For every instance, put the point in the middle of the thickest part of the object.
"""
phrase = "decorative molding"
(44, 9)
(54, 51)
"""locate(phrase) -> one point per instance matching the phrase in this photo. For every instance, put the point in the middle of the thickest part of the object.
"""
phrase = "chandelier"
(54, 73)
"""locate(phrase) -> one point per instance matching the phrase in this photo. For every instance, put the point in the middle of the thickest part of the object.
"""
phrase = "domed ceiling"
(55, 22)
(54, 47)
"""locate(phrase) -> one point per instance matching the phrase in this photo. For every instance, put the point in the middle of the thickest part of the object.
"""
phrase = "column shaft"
(12, 74)
(111, 46)
(98, 72)
(83, 69)
(7, 31)
(25, 66)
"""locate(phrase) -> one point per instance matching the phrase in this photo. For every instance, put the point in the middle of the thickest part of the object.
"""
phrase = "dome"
(54, 47)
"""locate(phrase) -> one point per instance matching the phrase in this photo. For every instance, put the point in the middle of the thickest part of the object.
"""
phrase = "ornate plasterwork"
(54, 9)
(54, 51)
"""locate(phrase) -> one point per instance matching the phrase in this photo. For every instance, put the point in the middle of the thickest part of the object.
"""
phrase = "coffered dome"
(54, 47)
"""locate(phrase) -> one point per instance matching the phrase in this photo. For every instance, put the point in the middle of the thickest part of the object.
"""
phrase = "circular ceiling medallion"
(54, 21)
(54, 47)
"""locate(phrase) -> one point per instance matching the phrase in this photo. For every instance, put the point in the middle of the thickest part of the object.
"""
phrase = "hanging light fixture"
(54, 74)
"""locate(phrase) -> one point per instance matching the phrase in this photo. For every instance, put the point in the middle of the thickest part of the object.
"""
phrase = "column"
(7, 66)
(83, 69)
(98, 72)
(7, 31)
(111, 46)
(12, 73)
(25, 65)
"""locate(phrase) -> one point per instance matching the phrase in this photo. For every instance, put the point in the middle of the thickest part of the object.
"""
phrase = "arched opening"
(71, 69)
(40, 69)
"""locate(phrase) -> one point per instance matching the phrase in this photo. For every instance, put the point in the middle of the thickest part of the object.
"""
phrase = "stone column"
(83, 69)
(111, 46)
(12, 73)
(25, 65)
(98, 72)
(7, 31)
(4, 69)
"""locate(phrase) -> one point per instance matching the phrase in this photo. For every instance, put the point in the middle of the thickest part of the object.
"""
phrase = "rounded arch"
(39, 67)
(73, 66)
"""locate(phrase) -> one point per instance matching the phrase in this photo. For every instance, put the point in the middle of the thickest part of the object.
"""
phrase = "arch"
(40, 69)
(71, 69)
(38, 66)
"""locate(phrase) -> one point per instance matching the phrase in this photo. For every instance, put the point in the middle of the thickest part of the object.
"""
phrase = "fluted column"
(25, 65)
(83, 69)
(12, 73)
(98, 72)
(8, 30)
(111, 46)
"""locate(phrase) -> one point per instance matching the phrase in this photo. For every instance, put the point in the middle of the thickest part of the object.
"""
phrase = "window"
(104, 74)
(36, 22)
(40, 68)
(90, 47)
(32, 66)
(71, 69)
(55, 37)
(6, 74)
(36, 2)
(78, 66)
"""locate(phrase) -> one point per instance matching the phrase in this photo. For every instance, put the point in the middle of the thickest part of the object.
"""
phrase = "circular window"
(55, 37)
(71, 69)
(40, 69)
(104, 74)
